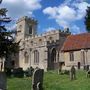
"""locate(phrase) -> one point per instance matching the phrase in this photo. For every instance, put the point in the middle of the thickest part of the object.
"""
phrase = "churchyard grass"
(19, 83)
(53, 81)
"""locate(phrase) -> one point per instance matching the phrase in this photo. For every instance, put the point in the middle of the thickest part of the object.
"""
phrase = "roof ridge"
(78, 41)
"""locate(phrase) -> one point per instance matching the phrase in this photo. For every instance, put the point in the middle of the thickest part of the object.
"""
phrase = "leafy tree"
(87, 19)
(7, 42)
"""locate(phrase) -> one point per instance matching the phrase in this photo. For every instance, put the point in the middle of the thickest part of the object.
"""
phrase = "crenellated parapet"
(29, 19)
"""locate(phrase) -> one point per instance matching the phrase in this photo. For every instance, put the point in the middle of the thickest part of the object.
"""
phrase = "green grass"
(53, 81)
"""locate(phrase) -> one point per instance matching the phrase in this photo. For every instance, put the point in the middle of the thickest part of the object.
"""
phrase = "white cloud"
(81, 9)
(62, 23)
(75, 29)
(68, 12)
(33, 4)
(51, 11)
(18, 8)
(11, 27)
(49, 29)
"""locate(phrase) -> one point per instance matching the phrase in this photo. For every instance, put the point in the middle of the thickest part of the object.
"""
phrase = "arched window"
(71, 56)
(26, 57)
(53, 55)
(30, 29)
(40, 41)
(36, 57)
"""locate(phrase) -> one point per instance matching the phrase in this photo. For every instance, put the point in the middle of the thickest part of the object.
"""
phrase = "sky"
(51, 14)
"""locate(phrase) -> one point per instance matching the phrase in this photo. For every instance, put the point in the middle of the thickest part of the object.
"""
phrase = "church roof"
(76, 42)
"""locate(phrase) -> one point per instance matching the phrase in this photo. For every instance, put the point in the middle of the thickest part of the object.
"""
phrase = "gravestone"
(87, 67)
(72, 73)
(59, 71)
(88, 74)
(60, 68)
(3, 81)
(37, 79)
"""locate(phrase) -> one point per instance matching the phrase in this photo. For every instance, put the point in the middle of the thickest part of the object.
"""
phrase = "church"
(38, 50)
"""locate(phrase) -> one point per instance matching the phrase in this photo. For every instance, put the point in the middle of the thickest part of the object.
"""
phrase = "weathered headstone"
(87, 67)
(59, 69)
(37, 79)
(88, 74)
(72, 73)
(3, 81)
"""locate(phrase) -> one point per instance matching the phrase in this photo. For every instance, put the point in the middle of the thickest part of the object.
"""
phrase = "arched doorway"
(53, 57)
(79, 64)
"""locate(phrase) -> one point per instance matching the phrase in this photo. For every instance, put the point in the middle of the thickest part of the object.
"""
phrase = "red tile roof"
(76, 42)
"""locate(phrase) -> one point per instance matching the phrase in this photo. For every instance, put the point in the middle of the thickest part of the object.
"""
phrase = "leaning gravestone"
(37, 79)
(3, 81)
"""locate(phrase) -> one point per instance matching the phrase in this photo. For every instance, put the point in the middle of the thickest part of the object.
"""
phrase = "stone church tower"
(26, 27)
(38, 50)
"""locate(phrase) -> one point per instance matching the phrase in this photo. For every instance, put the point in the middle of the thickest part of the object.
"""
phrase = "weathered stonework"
(79, 58)
(38, 50)
(76, 51)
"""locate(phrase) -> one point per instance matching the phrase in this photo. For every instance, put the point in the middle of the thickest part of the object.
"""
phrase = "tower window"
(30, 29)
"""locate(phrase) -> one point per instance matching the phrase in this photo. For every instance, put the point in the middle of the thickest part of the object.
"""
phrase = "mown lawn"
(53, 81)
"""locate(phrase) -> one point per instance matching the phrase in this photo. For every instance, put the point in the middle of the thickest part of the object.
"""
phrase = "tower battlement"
(21, 19)
(29, 19)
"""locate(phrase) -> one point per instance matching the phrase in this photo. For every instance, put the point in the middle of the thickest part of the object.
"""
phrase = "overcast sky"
(51, 14)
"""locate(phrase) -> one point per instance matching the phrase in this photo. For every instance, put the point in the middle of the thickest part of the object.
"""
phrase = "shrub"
(8, 72)
(29, 72)
(18, 72)
(65, 72)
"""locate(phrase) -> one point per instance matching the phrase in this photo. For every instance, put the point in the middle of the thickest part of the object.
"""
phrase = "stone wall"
(78, 57)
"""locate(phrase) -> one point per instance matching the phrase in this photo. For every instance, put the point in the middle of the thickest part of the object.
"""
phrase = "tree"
(7, 42)
(0, 1)
(87, 19)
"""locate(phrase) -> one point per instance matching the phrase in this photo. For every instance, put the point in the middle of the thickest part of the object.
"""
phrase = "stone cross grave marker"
(37, 79)
(3, 81)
